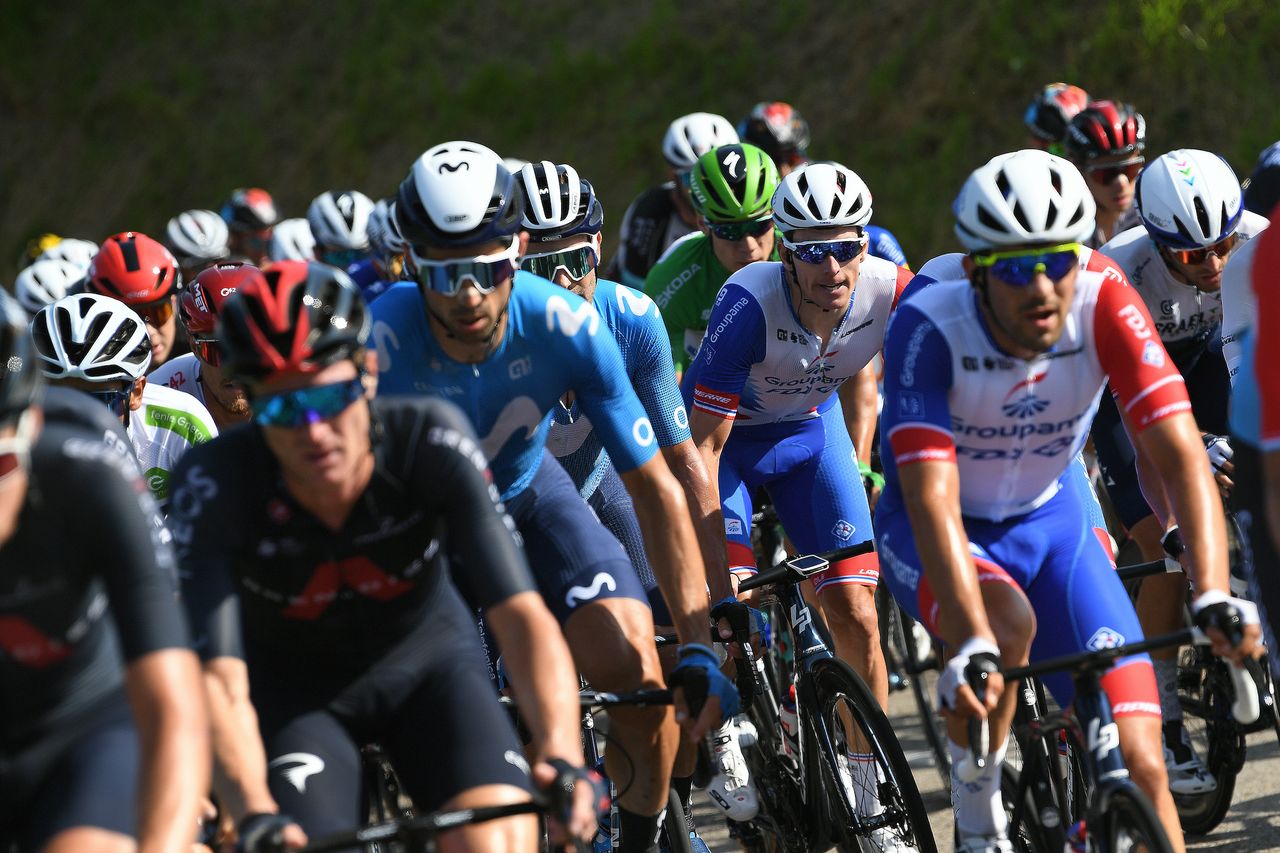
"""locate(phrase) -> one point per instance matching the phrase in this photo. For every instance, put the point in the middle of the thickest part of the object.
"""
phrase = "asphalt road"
(1253, 824)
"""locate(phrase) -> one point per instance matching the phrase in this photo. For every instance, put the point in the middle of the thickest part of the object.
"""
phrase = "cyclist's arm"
(859, 398)
(240, 759)
(917, 433)
(161, 675)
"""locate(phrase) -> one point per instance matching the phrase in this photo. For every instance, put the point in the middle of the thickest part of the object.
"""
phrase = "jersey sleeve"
(1266, 350)
(135, 556)
(917, 380)
(735, 341)
(651, 375)
(600, 382)
(204, 533)
(394, 315)
(1141, 373)
(450, 475)
(905, 277)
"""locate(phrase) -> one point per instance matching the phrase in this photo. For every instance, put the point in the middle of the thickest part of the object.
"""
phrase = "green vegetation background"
(118, 115)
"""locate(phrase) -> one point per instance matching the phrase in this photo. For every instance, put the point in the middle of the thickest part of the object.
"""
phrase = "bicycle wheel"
(674, 826)
(873, 802)
(782, 825)
(1205, 693)
(922, 667)
(1128, 824)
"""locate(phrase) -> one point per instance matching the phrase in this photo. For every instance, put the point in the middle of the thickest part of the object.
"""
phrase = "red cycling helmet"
(1052, 109)
(135, 269)
(250, 209)
(778, 129)
(297, 317)
(201, 302)
(1105, 129)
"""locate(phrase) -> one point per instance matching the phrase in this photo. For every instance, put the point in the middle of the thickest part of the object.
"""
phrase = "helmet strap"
(789, 266)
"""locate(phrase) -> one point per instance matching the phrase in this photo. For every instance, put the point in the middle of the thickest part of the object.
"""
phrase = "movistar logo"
(602, 580)
(453, 167)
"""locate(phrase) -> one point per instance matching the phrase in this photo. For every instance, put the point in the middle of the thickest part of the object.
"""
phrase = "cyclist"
(1262, 187)
(46, 281)
(250, 214)
(783, 339)
(36, 247)
(990, 384)
(780, 131)
(1049, 113)
(314, 547)
(197, 239)
(508, 353)
(1255, 428)
(565, 220)
(387, 247)
(97, 344)
(663, 214)
(199, 372)
(1192, 220)
(141, 273)
(75, 251)
(103, 736)
(1106, 140)
(292, 240)
(339, 221)
(731, 187)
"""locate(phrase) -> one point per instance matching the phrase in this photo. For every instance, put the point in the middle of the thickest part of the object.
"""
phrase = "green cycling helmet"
(733, 183)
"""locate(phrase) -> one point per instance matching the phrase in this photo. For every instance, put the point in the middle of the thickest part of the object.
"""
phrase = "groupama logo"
(1028, 404)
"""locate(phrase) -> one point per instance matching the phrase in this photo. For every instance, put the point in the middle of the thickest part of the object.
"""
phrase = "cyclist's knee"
(1015, 624)
(851, 607)
(613, 644)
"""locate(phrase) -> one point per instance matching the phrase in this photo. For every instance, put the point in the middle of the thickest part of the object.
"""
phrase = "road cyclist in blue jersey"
(506, 346)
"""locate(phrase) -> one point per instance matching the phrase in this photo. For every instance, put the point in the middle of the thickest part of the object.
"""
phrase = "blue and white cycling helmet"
(558, 204)
(458, 194)
(1189, 199)
(1024, 197)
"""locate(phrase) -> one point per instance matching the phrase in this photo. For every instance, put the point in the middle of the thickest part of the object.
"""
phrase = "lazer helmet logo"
(453, 167)
(1027, 404)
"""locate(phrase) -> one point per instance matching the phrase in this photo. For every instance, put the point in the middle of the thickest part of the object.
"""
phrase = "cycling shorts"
(613, 506)
(85, 776)
(810, 471)
(574, 559)
(1052, 555)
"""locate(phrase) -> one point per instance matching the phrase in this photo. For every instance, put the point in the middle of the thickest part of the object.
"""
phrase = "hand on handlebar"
(577, 798)
(977, 662)
(697, 677)
(1231, 625)
(735, 620)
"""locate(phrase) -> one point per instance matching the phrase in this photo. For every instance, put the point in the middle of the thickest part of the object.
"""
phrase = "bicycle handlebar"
(802, 566)
(1164, 566)
(423, 826)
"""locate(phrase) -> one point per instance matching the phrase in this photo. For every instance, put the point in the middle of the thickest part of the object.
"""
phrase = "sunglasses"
(306, 405)
(737, 231)
(116, 401)
(343, 258)
(1192, 257)
(156, 313)
(1107, 174)
(206, 349)
(484, 273)
(818, 251)
(16, 449)
(1019, 267)
(575, 261)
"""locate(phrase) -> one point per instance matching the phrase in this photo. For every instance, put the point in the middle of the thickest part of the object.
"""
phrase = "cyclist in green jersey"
(731, 188)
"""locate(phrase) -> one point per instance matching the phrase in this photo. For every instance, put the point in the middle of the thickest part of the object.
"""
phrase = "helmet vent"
(791, 209)
(988, 220)
(1202, 215)
(1021, 216)
(1002, 184)
(1052, 214)
(1077, 216)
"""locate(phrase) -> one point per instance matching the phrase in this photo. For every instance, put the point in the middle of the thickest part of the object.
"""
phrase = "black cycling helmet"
(778, 129)
(298, 317)
(20, 378)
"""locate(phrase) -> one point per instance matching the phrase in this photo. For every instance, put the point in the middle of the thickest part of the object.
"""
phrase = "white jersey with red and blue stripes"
(1013, 425)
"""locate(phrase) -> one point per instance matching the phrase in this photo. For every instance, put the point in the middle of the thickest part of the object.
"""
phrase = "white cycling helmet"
(339, 219)
(45, 282)
(1024, 197)
(291, 240)
(558, 204)
(821, 195)
(514, 164)
(691, 136)
(1188, 199)
(384, 232)
(458, 194)
(198, 235)
(93, 337)
(78, 252)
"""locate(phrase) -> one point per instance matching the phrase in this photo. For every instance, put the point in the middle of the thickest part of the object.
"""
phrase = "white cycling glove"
(953, 673)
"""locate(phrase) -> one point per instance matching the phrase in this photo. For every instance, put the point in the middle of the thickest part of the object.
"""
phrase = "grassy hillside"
(121, 114)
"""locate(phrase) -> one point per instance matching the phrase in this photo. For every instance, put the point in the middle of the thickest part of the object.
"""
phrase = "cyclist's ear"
(369, 375)
(967, 262)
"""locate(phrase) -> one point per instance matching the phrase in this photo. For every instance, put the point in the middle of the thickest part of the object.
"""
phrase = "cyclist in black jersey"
(316, 544)
(88, 630)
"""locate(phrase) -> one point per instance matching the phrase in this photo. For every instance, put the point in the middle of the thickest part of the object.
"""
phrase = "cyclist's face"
(828, 284)
(1030, 319)
(1206, 276)
(225, 393)
(736, 254)
(1116, 194)
(585, 286)
(469, 316)
(163, 335)
(326, 454)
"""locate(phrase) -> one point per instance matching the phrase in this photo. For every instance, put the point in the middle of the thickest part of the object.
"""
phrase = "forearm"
(1175, 448)
(172, 727)
(240, 759)
(859, 399)
(674, 555)
(542, 673)
(690, 469)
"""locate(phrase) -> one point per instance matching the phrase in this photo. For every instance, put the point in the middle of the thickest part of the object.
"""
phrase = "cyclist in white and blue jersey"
(506, 346)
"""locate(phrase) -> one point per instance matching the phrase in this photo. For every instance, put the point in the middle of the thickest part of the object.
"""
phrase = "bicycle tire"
(931, 722)
(1205, 693)
(674, 826)
(1026, 835)
(836, 686)
(1129, 822)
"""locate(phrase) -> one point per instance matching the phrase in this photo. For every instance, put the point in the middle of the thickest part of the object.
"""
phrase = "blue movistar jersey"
(635, 323)
(882, 244)
(553, 344)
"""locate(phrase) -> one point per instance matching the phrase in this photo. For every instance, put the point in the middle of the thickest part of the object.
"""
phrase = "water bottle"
(790, 721)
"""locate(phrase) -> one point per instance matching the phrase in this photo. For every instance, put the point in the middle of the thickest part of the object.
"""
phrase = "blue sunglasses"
(1020, 267)
(306, 406)
(817, 252)
(116, 401)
